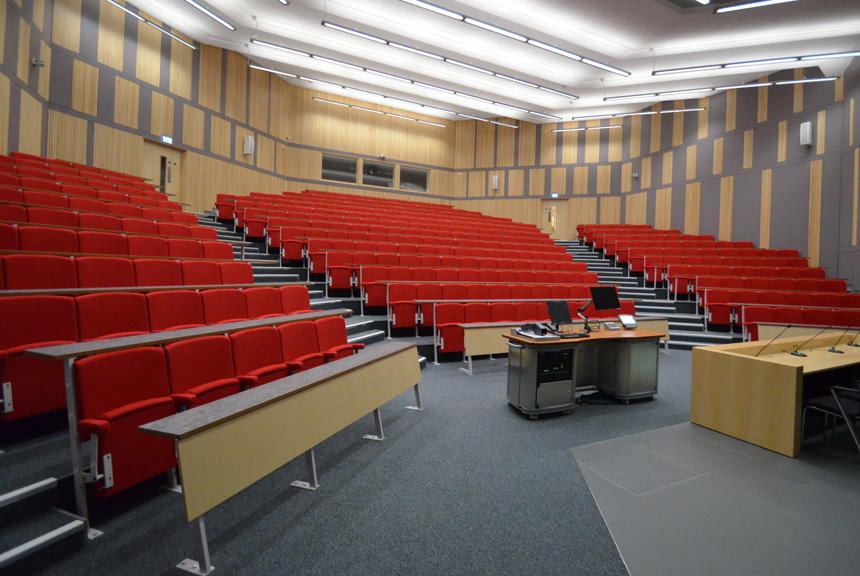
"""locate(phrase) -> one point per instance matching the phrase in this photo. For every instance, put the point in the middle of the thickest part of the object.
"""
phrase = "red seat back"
(111, 313)
(174, 308)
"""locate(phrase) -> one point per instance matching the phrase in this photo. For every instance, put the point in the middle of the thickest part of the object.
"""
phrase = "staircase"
(686, 326)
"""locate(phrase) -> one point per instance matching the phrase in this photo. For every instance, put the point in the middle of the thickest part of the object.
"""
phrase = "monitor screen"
(559, 313)
(605, 298)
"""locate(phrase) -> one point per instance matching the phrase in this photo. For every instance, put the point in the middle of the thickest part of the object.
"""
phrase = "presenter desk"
(544, 375)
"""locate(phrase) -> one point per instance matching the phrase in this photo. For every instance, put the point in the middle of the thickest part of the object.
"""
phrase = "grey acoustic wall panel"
(746, 209)
(709, 207)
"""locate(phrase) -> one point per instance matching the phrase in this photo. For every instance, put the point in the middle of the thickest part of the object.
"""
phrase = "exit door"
(162, 167)
(554, 220)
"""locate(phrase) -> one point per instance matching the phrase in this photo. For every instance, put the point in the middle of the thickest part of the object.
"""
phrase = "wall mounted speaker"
(248, 145)
(495, 182)
(806, 134)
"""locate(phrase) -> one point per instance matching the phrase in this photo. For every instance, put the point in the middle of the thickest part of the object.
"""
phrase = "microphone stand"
(580, 311)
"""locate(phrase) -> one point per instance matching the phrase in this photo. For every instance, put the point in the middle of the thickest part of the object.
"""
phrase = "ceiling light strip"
(748, 5)
(625, 115)
(344, 105)
(211, 14)
(456, 62)
(519, 37)
(153, 24)
(737, 87)
(583, 129)
(764, 62)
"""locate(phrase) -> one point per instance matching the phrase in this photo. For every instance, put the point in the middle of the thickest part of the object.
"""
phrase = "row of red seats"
(585, 232)
(736, 251)
(100, 205)
(66, 167)
(374, 280)
(85, 188)
(645, 259)
(511, 250)
(450, 316)
(657, 269)
(37, 385)
(405, 312)
(63, 240)
(751, 315)
(46, 272)
(604, 241)
(681, 278)
(69, 218)
(721, 306)
(702, 283)
(119, 391)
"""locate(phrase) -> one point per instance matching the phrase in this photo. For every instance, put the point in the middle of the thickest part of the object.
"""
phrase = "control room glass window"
(339, 168)
(377, 174)
(413, 179)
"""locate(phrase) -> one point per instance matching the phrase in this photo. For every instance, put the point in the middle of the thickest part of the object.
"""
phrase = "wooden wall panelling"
(821, 132)
(839, 89)
(126, 102)
(718, 156)
(85, 87)
(485, 145)
(656, 128)
(537, 181)
(39, 14)
(727, 188)
(702, 132)
(192, 126)
(220, 135)
(856, 205)
(636, 208)
(570, 144)
(23, 51)
(441, 182)
(465, 145)
(30, 131)
(764, 226)
(646, 172)
(45, 53)
(580, 180)
(67, 137)
(663, 212)
(526, 210)
(239, 146)
(548, 140)
(692, 150)
(604, 179)
(181, 67)
(782, 142)
(281, 155)
(626, 177)
(148, 53)
(303, 163)
(66, 27)
(500, 191)
(582, 211)
(635, 136)
(460, 184)
(528, 135)
(814, 240)
(798, 91)
(117, 150)
(3, 44)
(236, 97)
(161, 121)
(210, 77)
(265, 153)
(516, 182)
(5, 104)
(111, 35)
(731, 109)
(748, 149)
(668, 161)
(616, 140)
(610, 210)
(505, 145)
(279, 108)
(558, 181)
(851, 122)
(477, 184)
(592, 142)
(678, 125)
(197, 182)
(692, 203)
(761, 112)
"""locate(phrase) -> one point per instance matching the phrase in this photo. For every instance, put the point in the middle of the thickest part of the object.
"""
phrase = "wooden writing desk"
(758, 399)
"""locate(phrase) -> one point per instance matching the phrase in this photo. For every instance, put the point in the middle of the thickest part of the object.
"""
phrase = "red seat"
(200, 273)
(173, 229)
(202, 232)
(87, 205)
(217, 250)
(122, 209)
(828, 299)
(847, 318)
(332, 339)
(223, 305)
(138, 226)
(8, 238)
(147, 246)
(751, 315)
(174, 310)
(477, 312)
(187, 219)
(257, 356)
(182, 248)
(200, 370)
(477, 292)
(52, 216)
(50, 198)
(118, 392)
(449, 335)
(263, 302)
(236, 273)
(157, 273)
(299, 348)
(718, 311)
(47, 239)
(102, 243)
(833, 285)
(26, 272)
(111, 314)
(500, 292)
(294, 299)
(98, 272)
(425, 311)
(401, 303)
(787, 315)
(799, 299)
(818, 316)
(36, 385)
(503, 312)
(100, 222)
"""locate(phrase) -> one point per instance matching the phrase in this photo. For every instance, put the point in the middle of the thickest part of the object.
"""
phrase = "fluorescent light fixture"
(560, 93)
(495, 29)
(387, 75)
(648, 113)
(688, 91)
(807, 80)
(368, 110)
(377, 112)
(739, 86)
(415, 50)
(402, 102)
(604, 117)
(323, 82)
(589, 128)
(704, 2)
(472, 117)
(685, 70)
(432, 123)
(569, 130)
(514, 126)
(517, 80)
(606, 67)
(212, 15)
(126, 10)
(762, 62)
(680, 110)
(432, 87)
(353, 32)
(517, 108)
(824, 56)
(434, 8)
(338, 62)
(469, 66)
(273, 71)
(478, 98)
(331, 102)
(552, 48)
(402, 117)
(284, 2)
(174, 36)
(628, 97)
(604, 127)
(279, 47)
(544, 115)
(748, 5)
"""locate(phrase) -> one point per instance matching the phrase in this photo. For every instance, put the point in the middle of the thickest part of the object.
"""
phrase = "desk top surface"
(595, 336)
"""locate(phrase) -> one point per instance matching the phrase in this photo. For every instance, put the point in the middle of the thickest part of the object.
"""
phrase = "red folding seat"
(833, 285)
(455, 292)
(294, 299)
(52, 217)
(559, 292)
(410, 260)
(781, 283)
(488, 276)
(500, 292)
(99, 272)
(799, 299)
(157, 273)
(111, 315)
(174, 310)
(503, 312)
(120, 209)
(718, 311)
(169, 205)
(528, 311)
(751, 315)
(8, 239)
(541, 291)
(850, 301)
(425, 311)
(147, 246)
(186, 218)
(787, 315)
(771, 298)
(217, 250)
(173, 229)
(78, 189)
(847, 318)
(332, 339)
(200, 370)
(182, 248)
(47, 239)
(424, 274)
(477, 312)
(102, 243)
(628, 307)
(263, 302)
(36, 385)
(155, 214)
(27, 272)
(467, 275)
(37, 191)
(447, 275)
(223, 305)
(521, 291)
(449, 333)
(257, 356)
(8, 194)
(757, 283)
(203, 233)
(118, 392)
(139, 226)
(109, 187)
(401, 305)
(807, 284)
(809, 272)
(818, 316)
(477, 292)
(828, 299)
(87, 205)
(429, 261)
(400, 274)
(507, 276)
(200, 273)
(299, 348)
(236, 273)
(10, 180)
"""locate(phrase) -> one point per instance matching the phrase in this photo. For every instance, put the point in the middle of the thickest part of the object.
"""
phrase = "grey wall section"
(746, 207)
(709, 208)
(789, 212)
(107, 88)
(679, 202)
(829, 256)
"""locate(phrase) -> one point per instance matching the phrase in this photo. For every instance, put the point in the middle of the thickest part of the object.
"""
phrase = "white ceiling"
(635, 35)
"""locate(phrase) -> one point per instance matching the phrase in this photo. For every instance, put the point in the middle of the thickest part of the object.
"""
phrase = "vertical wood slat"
(30, 131)
(668, 160)
(656, 129)
(236, 97)
(148, 54)
(748, 149)
(635, 208)
(814, 240)
(85, 87)
(702, 132)
(635, 136)
(663, 212)
(761, 113)
(727, 189)
(220, 135)
(851, 122)
(592, 142)
(23, 50)
(161, 121)
(583, 210)
(117, 150)
(527, 144)
(516, 182)
(626, 177)
(646, 172)
(570, 144)
(548, 140)
(718, 156)
(500, 191)
(782, 142)
(821, 129)
(67, 137)
(764, 226)
(111, 35)
(66, 27)
(465, 145)
(798, 91)
(3, 44)
(39, 14)
(678, 125)
(731, 110)
(477, 184)
(610, 210)
(505, 138)
(839, 89)
(485, 145)
(45, 73)
(181, 67)
(192, 126)
(856, 205)
(616, 140)
(691, 161)
(604, 177)
(5, 96)
(692, 202)
(126, 102)
(537, 181)
(210, 77)
(580, 180)
(558, 180)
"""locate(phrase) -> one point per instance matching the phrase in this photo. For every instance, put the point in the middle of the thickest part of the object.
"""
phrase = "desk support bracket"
(418, 405)
(311, 483)
(379, 436)
(468, 370)
(77, 452)
(204, 566)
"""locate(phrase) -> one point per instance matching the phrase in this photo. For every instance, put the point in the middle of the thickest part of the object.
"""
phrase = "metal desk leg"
(312, 483)
(77, 452)
(379, 436)
(204, 566)
(418, 405)
(469, 369)
(435, 343)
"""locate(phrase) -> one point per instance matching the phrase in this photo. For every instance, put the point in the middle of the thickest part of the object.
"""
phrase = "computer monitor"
(605, 298)
(559, 313)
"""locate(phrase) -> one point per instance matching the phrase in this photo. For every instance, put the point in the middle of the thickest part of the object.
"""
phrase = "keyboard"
(574, 335)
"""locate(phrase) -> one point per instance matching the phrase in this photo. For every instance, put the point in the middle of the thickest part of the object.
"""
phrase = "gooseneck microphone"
(797, 352)
(772, 340)
(837, 351)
